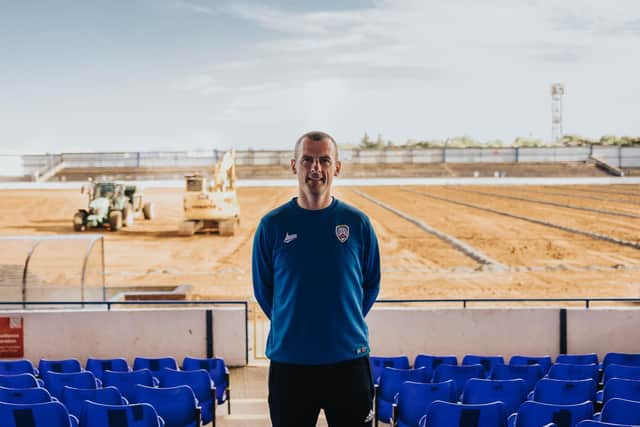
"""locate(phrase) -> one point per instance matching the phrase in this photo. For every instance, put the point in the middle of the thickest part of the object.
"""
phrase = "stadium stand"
(621, 411)
(414, 398)
(154, 364)
(48, 414)
(126, 381)
(73, 398)
(460, 374)
(621, 371)
(432, 362)
(24, 395)
(564, 392)
(446, 414)
(545, 362)
(55, 381)
(487, 362)
(622, 388)
(20, 381)
(13, 367)
(529, 373)
(378, 363)
(628, 359)
(566, 371)
(200, 383)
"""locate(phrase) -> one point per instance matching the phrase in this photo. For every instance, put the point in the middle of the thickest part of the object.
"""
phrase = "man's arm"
(371, 268)
(262, 269)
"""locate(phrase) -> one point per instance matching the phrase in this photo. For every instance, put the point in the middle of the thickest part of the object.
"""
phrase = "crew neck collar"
(294, 203)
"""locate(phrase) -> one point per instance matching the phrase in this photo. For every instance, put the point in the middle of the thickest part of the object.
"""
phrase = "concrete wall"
(601, 331)
(131, 333)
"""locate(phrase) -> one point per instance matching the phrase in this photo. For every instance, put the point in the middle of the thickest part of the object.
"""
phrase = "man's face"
(315, 166)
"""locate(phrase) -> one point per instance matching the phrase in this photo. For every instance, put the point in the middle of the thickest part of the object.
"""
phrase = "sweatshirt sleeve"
(262, 269)
(371, 266)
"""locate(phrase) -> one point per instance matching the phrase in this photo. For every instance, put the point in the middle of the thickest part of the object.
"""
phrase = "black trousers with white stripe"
(343, 390)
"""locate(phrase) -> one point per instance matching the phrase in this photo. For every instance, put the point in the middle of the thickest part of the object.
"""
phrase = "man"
(316, 274)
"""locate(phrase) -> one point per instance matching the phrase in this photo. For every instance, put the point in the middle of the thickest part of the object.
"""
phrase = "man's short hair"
(314, 135)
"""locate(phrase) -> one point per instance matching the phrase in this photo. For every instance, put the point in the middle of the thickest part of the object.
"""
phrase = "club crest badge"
(342, 232)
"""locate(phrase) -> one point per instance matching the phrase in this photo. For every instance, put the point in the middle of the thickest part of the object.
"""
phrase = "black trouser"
(344, 390)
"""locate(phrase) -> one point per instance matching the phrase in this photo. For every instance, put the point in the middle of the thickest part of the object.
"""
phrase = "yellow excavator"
(212, 206)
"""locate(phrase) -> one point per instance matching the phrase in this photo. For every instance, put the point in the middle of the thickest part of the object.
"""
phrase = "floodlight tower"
(557, 91)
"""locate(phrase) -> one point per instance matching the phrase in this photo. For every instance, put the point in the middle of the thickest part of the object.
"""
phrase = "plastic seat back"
(592, 423)
(460, 374)
(199, 381)
(621, 411)
(487, 362)
(14, 367)
(510, 392)
(446, 414)
(98, 366)
(60, 366)
(578, 359)
(537, 414)
(55, 381)
(177, 405)
(621, 371)
(414, 398)
(73, 398)
(622, 388)
(154, 364)
(378, 363)
(390, 381)
(24, 395)
(135, 415)
(545, 362)
(125, 381)
(47, 414)
(19, 381)
(628, 359)
(217, 370)
(565, 371)
(431, 362)
(564, 392)
(529, 373)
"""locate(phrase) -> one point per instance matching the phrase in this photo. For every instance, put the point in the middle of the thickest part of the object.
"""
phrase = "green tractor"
(112, 205)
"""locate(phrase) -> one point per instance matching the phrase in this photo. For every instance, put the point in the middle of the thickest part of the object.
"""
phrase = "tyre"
(148, 211)
(79, 221)
(127, 215)
(227, 227)
(115, 220)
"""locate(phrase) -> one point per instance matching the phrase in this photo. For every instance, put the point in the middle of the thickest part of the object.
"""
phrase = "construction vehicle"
(212, 206)
(111, 204)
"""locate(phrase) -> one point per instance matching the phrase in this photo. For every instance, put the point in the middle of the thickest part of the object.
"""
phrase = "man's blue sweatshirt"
(316, 274)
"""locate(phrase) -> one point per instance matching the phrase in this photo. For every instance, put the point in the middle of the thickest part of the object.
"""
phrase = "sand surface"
(537, 260)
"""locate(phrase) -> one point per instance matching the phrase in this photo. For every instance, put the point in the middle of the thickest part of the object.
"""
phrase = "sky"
(140, 75)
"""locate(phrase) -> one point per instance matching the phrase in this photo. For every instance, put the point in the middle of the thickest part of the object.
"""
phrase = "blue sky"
(196, 74)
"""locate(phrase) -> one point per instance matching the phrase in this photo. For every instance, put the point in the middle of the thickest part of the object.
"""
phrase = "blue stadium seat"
(414, 398)
(201, 384)
(510, 392)
(218, 372)
(55, 381)
(545, 362)
(378, 363)
(529, 373)
(565, 371)
(460, 374)
(446, 414)
(24, 395)
(154, 364)
(628, 359)
(487, 362)
(621, 371)
(63, 365)
(431, 362)
(135, 415)
(20, 381)
(537, 414)
(389, 385)
(622, 388)
(621, 411)
(73, 398)
(98, 366)
(177, 405)
(564, 392)
(125, 381)
(13, 367)
(47, 414)
(578, 359)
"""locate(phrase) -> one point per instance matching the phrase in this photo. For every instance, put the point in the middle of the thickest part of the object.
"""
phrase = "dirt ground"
(536, 260)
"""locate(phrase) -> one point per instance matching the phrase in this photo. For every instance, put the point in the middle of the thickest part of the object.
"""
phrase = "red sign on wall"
(11, 337)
